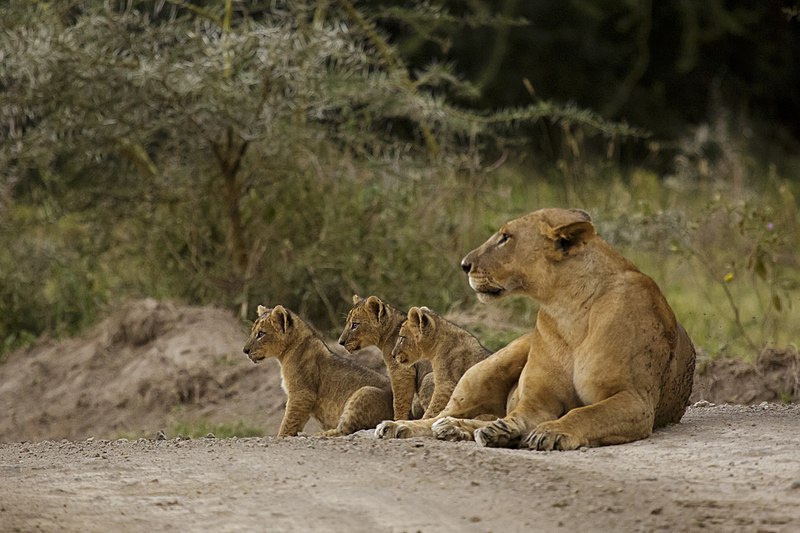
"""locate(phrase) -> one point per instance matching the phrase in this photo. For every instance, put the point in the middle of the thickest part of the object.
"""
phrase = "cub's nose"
(466, 266)
(246, 350)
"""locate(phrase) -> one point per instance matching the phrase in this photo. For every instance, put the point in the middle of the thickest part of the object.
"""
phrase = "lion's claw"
(498, 434)
(544, 439)
(389, 429)
(449, 428)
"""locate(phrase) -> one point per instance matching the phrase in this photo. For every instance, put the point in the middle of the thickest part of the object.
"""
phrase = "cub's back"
(348, 375)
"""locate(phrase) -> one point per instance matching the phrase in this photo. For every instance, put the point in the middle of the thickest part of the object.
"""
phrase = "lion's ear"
(356, 299)
(376, 307)
(420, 318)
(261, 310)
(281, 318)
(568, 238)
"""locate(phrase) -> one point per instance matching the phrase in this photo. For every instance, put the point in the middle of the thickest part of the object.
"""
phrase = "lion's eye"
(354, 326)
(259, 334)
(504, 237)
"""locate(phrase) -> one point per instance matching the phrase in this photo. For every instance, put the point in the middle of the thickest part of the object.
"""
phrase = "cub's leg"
(365, 408)
(404, 381)
(422, 399)
(441, 395)
(624, 417)
(483, 389)
(298, 411)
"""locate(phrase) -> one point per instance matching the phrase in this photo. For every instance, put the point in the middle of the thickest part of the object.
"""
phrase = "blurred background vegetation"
(237, 152)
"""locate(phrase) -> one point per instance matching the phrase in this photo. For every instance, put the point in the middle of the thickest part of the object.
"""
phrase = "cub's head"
(416, 335)
(526, 254)
(367, 323)
(271, 333)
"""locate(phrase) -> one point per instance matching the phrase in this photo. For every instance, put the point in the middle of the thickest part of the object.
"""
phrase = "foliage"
(244, 152)
(213, 156)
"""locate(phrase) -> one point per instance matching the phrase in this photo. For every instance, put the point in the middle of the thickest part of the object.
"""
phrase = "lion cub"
(372, 322)
(451, 350)
(343, 396)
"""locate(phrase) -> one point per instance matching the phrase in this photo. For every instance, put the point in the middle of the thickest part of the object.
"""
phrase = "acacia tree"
(200, 138)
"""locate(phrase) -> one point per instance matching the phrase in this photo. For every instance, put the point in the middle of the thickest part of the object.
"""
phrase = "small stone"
(703, 403)
(161, 435)
(795, 484)
(211, 436)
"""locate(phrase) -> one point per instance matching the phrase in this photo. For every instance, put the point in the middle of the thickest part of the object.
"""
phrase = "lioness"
(450, 349)
(343, 396)
(606, 362)
(373, 322)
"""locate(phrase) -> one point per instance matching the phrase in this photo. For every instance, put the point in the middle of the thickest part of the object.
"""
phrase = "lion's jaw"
(487, 289)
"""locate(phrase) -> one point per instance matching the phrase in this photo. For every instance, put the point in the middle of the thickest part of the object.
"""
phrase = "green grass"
(688, 235)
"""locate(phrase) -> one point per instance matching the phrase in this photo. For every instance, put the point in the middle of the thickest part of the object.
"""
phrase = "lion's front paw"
(388, 429)
(329, 433)
(449, 428)
(548, 436)
(498, 434)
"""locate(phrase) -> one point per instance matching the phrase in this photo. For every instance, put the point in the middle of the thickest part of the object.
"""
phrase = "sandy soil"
(158, 366)
(726, 468)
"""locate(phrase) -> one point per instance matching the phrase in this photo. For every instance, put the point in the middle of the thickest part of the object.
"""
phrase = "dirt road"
(726, 468)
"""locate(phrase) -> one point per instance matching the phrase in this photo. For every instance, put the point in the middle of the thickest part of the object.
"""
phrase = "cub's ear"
(356, 299)
(569, 237)
(281, 318)
(376, 307)
(261, 310)
(420, 318)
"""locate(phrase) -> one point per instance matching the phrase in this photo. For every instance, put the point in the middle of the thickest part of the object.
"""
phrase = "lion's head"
(367, 323)
(271, 333)
(415, 336)
(524, 255)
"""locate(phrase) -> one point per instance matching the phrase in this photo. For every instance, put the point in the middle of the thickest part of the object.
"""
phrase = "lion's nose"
(246, 350)
(466, 266)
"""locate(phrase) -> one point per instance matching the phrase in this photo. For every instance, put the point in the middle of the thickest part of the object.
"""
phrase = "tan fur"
(606, 362)
(450, 349)
(343, 396)
(372, 322)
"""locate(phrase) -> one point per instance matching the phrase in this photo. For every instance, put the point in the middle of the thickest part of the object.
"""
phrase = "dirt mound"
(155, 365)
(773, 377)
(151, 365)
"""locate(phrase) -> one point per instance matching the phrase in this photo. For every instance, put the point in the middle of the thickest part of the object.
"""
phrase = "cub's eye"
(504, 238)
(259, 334)
(354, 326)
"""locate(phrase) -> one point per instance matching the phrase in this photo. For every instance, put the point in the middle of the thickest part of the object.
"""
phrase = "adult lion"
(606, 362)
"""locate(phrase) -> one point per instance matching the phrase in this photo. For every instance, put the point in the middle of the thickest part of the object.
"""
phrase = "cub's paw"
(449, 428)
(498, 434)
(389, 429)
(547, 436)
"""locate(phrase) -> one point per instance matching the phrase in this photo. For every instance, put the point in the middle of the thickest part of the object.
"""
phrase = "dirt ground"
(65, 465)
(726, 468)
